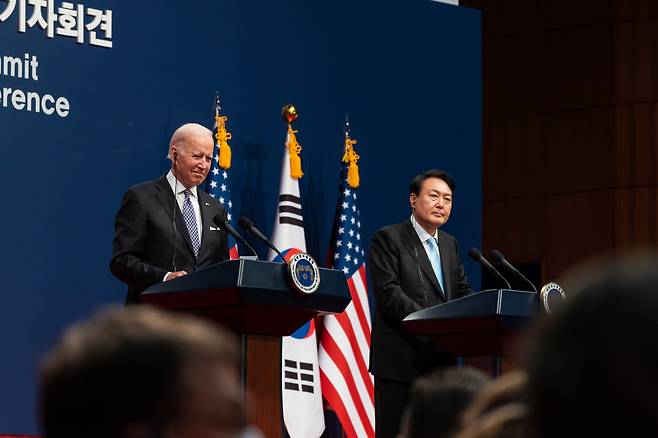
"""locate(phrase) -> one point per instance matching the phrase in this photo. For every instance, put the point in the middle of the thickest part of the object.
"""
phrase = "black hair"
(438, 400)
(417, 182)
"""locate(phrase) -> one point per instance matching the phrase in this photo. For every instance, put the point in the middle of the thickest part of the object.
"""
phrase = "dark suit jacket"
(403, 282)
(143, 248)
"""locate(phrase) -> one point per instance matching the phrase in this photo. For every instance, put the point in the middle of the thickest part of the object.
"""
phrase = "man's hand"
(172, 275)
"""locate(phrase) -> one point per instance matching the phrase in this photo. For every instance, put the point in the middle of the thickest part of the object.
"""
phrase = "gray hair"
(181, 136)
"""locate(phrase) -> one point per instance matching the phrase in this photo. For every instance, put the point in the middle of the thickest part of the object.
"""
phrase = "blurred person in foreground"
(142, 373)
(438, 400)
(499, 411)
(593, 365)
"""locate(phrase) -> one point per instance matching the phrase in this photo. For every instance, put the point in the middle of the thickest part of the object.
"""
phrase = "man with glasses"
(164, 228)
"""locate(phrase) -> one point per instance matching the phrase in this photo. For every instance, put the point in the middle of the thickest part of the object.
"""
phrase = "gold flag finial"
(222, 137)
(290, 114)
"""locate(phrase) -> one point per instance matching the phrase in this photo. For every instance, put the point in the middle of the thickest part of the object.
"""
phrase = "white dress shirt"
(424, 237)
(177, 186)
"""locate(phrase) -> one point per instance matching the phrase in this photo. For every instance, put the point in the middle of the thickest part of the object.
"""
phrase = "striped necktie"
(190, 222)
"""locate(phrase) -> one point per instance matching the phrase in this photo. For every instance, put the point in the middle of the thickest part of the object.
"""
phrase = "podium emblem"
(552, 297)
(304, 273)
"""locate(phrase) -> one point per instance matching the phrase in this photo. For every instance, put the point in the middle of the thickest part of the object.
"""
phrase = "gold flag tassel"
(294, 148)
(223, 137)
(351, 158)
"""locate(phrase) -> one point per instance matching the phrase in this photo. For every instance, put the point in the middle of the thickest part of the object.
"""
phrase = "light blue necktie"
(190, 222)
(435, 260)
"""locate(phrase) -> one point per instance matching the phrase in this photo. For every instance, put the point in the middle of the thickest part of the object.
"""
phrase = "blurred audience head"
(142, 373)
(438, 400)
(593, 366)
(499, 411)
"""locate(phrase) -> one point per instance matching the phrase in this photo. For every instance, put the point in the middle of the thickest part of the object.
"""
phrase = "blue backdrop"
(407, 71)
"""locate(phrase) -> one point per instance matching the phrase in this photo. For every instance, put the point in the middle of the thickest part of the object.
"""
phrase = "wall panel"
(636, 213)
(548, 72)
(575, 82)
(578, 226)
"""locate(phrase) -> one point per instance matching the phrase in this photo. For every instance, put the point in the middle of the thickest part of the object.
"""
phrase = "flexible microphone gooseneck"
(248, 225)
(499, 260)
(476, 255)
(222, 223)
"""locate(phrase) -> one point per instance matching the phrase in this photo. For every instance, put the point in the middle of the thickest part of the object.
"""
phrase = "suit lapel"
(166, 197)
(416, 248)
(206, 219)
(444, 250)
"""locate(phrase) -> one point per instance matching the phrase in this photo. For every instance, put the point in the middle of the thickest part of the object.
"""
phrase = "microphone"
(221, 222)
(499, 260)
(476, 255)
(248, 225)
(173, 221)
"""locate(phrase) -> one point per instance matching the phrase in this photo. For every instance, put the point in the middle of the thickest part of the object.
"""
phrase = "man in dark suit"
(164, 228)
(412, 266)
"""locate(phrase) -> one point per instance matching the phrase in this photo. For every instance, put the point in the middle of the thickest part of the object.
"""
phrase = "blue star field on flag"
(346, 245)
(217, 186)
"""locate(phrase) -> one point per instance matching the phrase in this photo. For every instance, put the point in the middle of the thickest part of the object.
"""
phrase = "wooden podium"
(486, 323)
(253, 298)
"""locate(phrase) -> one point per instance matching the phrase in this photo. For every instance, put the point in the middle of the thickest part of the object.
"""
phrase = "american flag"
(217, 183)
(344, 349)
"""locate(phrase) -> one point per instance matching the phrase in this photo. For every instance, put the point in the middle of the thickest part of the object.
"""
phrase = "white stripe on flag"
(338, 334)
(336, 378)
(292, 215)
(364, 349)
(290, 204)
(362, 292)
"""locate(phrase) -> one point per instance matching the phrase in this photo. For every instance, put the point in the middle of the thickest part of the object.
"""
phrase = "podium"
(253, 298)
(486, 323)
